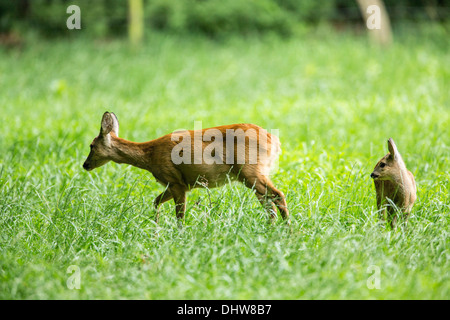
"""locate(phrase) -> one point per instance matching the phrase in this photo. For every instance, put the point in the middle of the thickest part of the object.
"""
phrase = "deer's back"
(260, 151)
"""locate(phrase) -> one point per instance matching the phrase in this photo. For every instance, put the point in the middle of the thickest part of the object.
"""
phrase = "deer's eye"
(382, 165)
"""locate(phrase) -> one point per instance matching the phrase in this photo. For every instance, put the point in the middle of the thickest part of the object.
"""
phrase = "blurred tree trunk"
(135, 21)
(383, 34)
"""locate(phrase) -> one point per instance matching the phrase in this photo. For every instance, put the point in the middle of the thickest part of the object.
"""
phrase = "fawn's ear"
(109, 124)
(393, 149)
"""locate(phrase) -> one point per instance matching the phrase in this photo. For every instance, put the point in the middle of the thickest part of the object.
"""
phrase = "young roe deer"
(394, 183)
(178, 177)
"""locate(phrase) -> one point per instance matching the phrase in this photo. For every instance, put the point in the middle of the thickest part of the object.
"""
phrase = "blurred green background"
(212, 18)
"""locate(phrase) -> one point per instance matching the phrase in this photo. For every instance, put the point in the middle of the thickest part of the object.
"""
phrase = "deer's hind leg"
(266, 192)
(278, 198)
(268, 205)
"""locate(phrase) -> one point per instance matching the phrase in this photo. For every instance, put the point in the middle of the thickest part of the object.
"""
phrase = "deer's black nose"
(374, 175)
(85, 166)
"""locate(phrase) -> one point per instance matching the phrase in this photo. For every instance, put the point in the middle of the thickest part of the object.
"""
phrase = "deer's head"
(101, 151)
(390, 167)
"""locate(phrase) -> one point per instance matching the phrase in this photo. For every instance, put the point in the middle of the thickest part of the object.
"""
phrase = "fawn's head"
(390, 165)
(101, 145)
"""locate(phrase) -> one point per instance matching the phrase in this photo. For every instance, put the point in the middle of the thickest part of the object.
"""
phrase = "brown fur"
(394, 183)
(155, 156)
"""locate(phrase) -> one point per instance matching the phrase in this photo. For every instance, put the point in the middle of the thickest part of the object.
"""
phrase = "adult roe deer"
(393, 183)
(231, 159)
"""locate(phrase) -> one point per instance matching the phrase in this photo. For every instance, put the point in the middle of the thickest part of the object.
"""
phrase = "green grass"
(335, 100)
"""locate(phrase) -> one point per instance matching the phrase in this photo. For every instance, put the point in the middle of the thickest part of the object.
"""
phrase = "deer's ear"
(393, 148)
(107, 124)
(115, 128)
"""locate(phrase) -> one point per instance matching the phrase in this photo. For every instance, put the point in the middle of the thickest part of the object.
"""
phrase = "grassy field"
(335, 101)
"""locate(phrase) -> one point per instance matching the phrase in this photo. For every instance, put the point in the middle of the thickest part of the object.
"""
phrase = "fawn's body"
(394, 183)
(157, 156)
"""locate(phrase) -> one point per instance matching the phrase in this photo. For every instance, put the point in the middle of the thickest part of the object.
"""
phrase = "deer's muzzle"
(374, 175)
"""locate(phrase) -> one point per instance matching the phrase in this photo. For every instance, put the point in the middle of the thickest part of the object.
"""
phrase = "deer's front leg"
(179, 196)
(163, 197)
(393, 220)
(383, 213)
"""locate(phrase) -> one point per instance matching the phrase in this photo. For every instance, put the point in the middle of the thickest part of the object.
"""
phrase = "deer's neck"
(397, 189)
(402, 181)
(129, 152)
